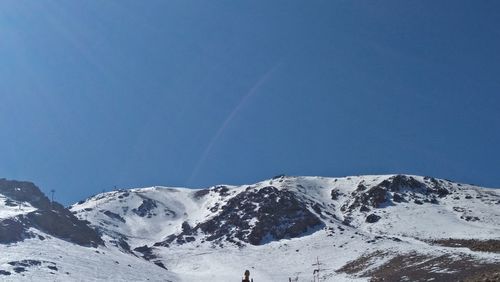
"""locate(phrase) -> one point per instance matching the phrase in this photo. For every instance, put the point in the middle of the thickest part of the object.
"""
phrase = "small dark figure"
(247, 277)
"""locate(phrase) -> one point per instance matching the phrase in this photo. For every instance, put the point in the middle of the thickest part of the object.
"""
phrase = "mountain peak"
(360, 226)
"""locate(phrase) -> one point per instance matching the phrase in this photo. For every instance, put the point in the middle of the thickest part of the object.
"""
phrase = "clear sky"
(95, 94)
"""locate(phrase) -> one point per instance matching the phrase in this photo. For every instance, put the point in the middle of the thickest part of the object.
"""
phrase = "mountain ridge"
(370, 220)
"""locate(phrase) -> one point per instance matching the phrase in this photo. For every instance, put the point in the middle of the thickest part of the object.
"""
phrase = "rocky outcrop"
(396, 189)
(50, 217)
(13, 230)
(63, 224)
(146, 209)
(23, 191)
(255, 216)
(372, 218)
(115, 216)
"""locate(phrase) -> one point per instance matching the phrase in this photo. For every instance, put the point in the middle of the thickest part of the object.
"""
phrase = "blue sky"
(97, 94)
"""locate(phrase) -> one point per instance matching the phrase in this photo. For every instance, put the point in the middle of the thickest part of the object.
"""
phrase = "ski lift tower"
(52, 192)
(316, 271)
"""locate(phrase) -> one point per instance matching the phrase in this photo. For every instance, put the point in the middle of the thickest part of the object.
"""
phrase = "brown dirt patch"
(419, 267)
(492, 246)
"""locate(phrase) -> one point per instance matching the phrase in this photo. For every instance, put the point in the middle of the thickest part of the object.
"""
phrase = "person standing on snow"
(247, 277)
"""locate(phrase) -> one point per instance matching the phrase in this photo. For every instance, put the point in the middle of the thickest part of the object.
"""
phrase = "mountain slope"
(26, 207)
(386, 227)
(41, 240)
(292, 220)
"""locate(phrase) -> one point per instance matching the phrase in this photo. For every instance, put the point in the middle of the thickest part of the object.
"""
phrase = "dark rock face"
(13, 230)
(63, 224)
(169, 239)
(223, 191)
(398, 198)
(160, 264)
(146, 208)
(147, 252)
(438, 188)
(318, 209)
(361, 187)
(373, 197)
(364, 209)
(124, 194)
(335, 194)
(372, 218)
(19, 269)
(51, 218)
(120, 241)
(397, 189)
(418, 202)
(186, 228)
(113, 215)
(201, 193)
(399, 182)
(26, 263)
(10, 203)
(255, 217)
(23, 191)
(470, 218)
(23, 265)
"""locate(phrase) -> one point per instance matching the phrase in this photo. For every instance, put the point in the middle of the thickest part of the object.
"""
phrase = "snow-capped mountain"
(41, 240)
(390, 228)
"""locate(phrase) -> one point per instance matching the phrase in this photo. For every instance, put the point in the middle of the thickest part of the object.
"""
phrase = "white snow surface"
(13, 209)
(76, 263)
(117, 215)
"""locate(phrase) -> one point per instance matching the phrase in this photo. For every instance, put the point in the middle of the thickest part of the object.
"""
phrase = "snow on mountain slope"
(278, 227)
(10, 208)
(144, 215)
(53, 259)
(151, 214)
(360, 228)
(41, 240)
(35, 211)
